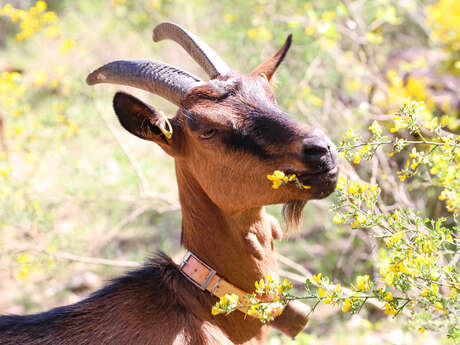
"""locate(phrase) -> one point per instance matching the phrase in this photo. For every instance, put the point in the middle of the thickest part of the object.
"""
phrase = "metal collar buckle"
(206, 282)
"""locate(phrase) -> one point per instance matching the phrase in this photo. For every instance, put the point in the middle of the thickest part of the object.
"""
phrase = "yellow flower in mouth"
(279, 178)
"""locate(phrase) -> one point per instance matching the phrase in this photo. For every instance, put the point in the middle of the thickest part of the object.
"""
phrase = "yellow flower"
(347, 304)
(438, 306)
(395, 239)
(264, 33)
(421, 330)
(310, 30)
(388, 276)
(229, 18)
(388, 296)
(317, 278)
(338, 219)
(353, 188)
(360, 219)
(357, 158)
(279, 178)
(328, 16)
(4, 172)
(49, 17)
(67, 45)
(215, 310)
(315, 100)
(321, 292)
(252, 310)
(156, 4)
(375, 128)
(23, 272)
(40, 6)
(24, 258)
(52, 31)
(389, 309)
(362, 282)
(328, 300)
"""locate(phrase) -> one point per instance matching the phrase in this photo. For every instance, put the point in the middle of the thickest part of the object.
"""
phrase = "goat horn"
(204, 55)
(162, 79)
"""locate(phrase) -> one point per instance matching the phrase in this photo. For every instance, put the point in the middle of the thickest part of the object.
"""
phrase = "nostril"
(314, 151)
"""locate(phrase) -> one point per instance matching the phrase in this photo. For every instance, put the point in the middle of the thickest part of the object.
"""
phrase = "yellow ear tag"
(160, 123)
(263, 75)
(274, 84)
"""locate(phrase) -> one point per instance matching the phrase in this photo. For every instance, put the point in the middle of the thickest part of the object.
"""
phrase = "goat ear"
(269, 66)
(141, 119)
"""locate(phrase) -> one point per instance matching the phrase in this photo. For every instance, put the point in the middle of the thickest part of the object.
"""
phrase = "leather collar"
(205, 277)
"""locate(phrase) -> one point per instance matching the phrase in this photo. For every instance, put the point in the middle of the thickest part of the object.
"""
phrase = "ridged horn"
(203, 54)
(162, 79)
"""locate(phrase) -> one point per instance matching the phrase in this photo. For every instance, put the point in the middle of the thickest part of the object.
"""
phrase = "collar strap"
(204, 277)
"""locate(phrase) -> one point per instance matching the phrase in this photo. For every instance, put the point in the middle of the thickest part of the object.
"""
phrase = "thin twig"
(97, 261)
(108, 236)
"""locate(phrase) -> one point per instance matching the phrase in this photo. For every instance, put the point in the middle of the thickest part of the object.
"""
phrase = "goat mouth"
(332, 171)
(321, 183)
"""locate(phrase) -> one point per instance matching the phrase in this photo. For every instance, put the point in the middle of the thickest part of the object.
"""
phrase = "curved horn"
(162, 79)
(204, 55)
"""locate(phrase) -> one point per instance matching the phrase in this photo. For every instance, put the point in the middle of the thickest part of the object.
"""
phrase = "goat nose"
(316, 152)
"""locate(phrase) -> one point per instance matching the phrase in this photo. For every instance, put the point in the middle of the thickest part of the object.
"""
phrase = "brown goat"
(228, 134)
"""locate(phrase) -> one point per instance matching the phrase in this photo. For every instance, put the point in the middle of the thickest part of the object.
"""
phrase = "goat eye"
(208, 133)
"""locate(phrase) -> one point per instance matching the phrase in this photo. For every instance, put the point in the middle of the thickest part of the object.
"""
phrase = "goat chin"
(292, 213)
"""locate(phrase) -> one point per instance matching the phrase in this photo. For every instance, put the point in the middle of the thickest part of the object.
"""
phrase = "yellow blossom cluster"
(269, 288)
(280, 178)
(394, 239)
(11, 90)
(443, 18)
(265, 311)
(260, 32)
(356, 193)
(27, 266)
(413, 87)
(440, 155)
(226, 304)
(33, 20)
(362, 283)
(266, 302)
(37, 19)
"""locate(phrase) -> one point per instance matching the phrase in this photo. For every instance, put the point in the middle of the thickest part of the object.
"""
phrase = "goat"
(227, 135)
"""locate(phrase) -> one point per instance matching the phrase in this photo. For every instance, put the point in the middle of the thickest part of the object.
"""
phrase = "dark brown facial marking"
(237, 141)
